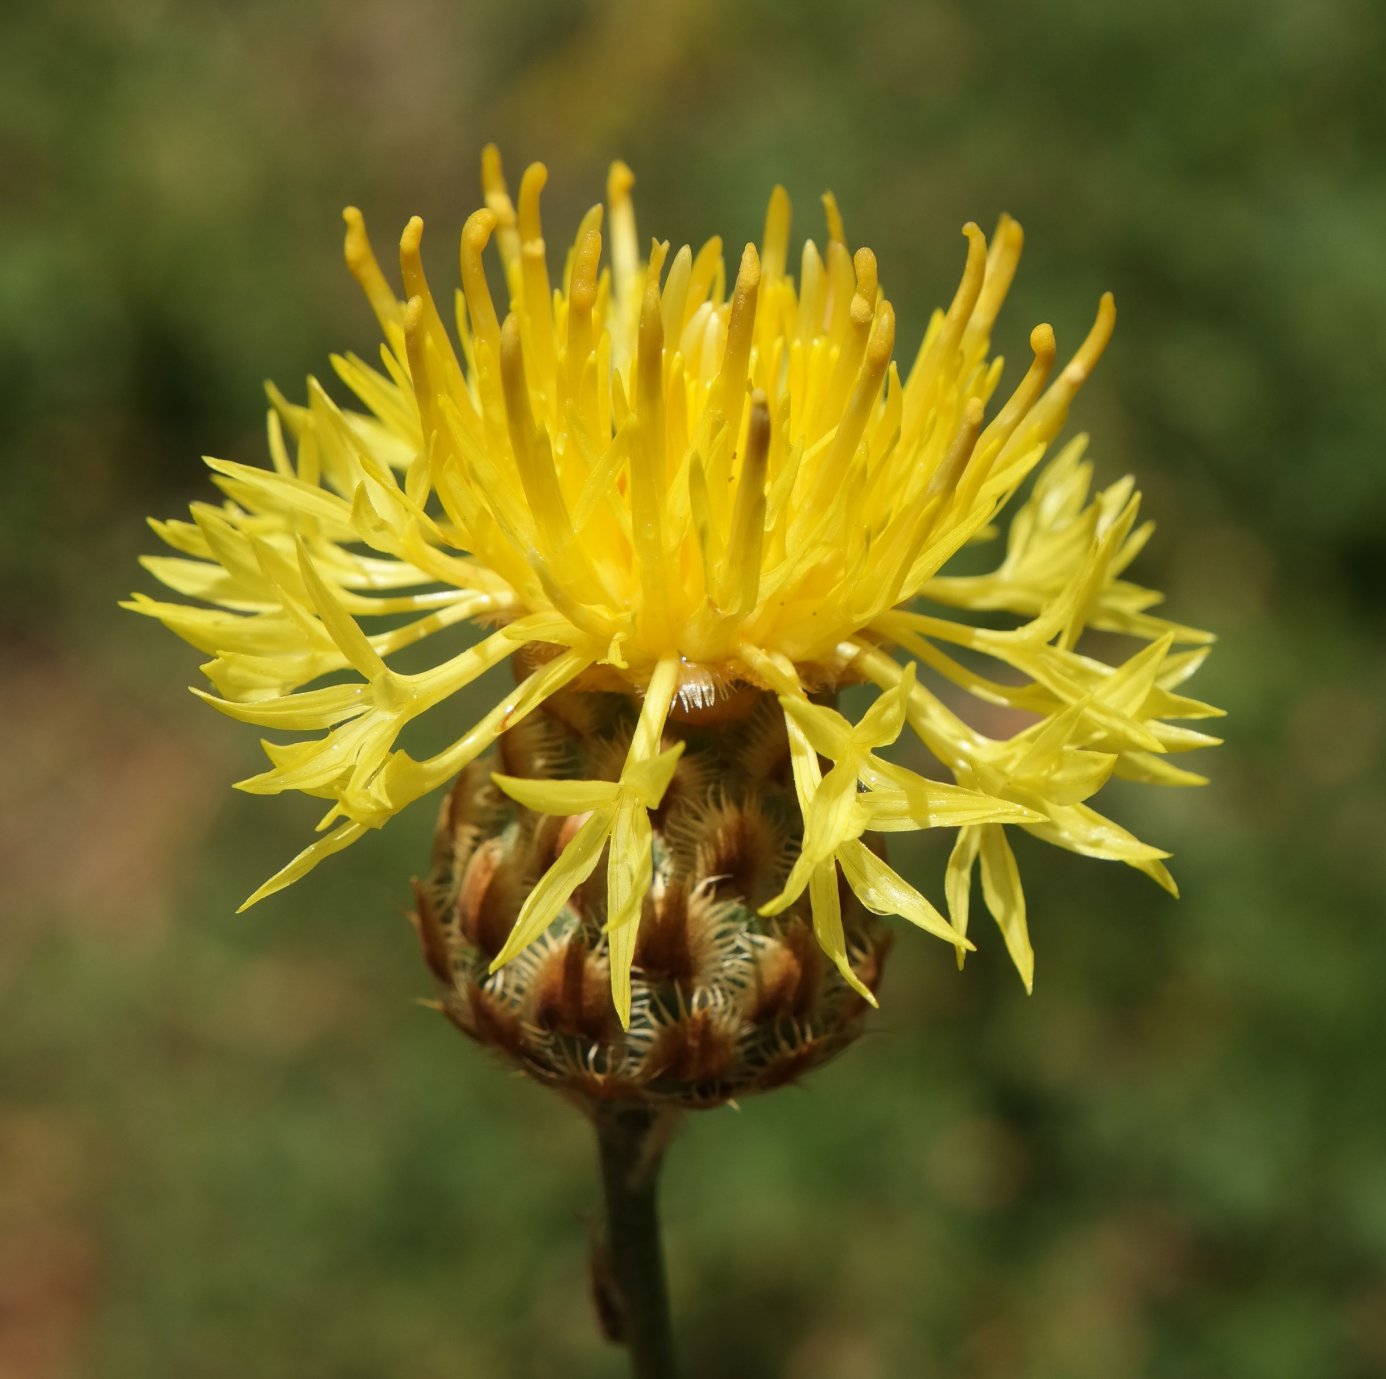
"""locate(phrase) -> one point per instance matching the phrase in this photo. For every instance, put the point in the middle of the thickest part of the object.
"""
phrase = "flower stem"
(631, 1142)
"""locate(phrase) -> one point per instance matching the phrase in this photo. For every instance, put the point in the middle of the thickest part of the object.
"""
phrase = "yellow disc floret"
(659, 484)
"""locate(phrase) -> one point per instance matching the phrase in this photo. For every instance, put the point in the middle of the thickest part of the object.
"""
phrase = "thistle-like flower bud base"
(724, 1001)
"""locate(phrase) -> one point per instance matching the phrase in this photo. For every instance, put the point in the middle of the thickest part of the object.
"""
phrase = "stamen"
(675, 293)
(647, 478)
(944, 479)
(741, 326)
(659, 251)
(519, 417)
(649, 381)
(534, 277)
(416, 287)
(738, 580)
(842, 286)
(563, 566)
(861, 316)
(589, 222)
(476, 234)
(1003, 425)
(416, 350)
(1002, 260)
(499, 204)
(864, 261)
(360, 259)
(707, 265)
(625, 248)
(582, 297)
(775, 240)
(1051, 410)
(837, 233)
(879, 347)
(810, 292)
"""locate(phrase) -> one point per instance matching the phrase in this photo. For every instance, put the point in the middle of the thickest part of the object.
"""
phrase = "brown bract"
(724, 1001)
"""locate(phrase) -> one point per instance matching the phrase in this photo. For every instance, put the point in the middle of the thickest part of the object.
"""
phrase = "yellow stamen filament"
(738, 580)
(625, 248)
(499, 204)
(364, 268)
(775, 241)
(476, 234)
(741, 326)
(534, 278)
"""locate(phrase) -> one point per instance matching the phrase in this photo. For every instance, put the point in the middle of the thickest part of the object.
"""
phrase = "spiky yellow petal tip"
(636, 478)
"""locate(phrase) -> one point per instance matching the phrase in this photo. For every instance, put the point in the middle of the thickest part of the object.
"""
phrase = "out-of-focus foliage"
(232, 1146)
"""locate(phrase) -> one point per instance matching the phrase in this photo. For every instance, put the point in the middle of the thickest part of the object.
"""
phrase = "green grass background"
(234, 1147)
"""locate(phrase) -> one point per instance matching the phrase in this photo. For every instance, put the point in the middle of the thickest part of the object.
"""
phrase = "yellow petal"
(627, 881)
(885, 892)
(559, 796)
(957, 883)
(306, 861)
(573, 866)
(901, 799)
(1006, 900)
(308, 710)
(647, 780)
(827, 926)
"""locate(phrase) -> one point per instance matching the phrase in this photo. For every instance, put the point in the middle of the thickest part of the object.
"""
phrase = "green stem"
(631, 1146)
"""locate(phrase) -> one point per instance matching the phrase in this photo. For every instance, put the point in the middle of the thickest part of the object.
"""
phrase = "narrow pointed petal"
(885, 892)
(574, 865)
(306, 861)
(1006, 900)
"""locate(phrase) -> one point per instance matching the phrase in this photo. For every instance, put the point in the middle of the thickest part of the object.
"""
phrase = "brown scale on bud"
(789, 972)
(606, 754)
(794, 1060)
(737, 849)
(572, 993)
(489, 1019)
(683, 937)
(724, 1001)
(698, 1050)
(764, 746)
(489, 897)
(470, 812)
(664, 945)
(433, 937)
(569, 708)
(536, 746)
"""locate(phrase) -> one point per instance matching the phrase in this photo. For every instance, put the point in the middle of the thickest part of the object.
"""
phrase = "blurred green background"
(233, 1146)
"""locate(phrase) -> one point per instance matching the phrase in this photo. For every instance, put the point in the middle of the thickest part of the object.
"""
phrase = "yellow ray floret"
(655, 474)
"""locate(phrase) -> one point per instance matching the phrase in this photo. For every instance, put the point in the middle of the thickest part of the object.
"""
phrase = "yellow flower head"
(643, 477)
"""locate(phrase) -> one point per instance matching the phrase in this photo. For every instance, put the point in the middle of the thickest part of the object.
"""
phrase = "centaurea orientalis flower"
(650, 479)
